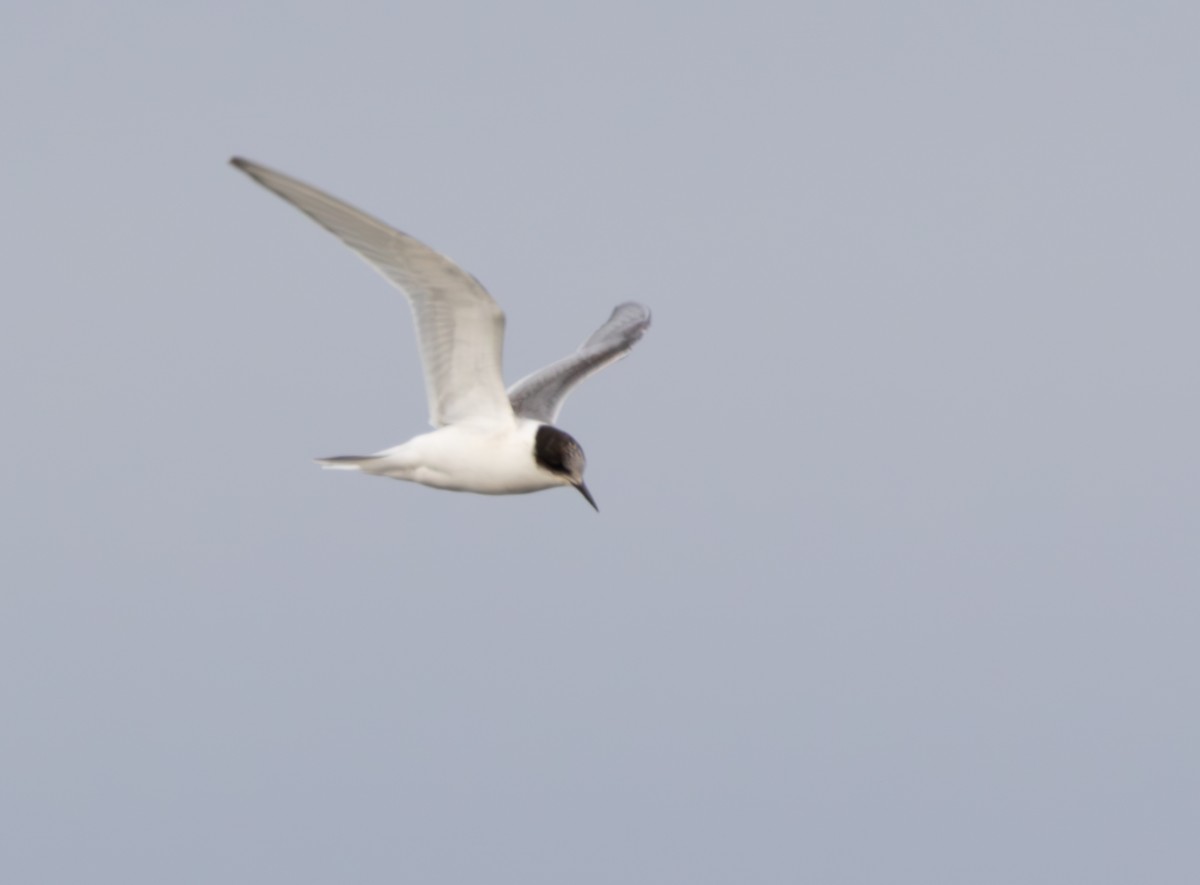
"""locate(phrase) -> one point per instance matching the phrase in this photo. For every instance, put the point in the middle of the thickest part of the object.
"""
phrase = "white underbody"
(488, 458)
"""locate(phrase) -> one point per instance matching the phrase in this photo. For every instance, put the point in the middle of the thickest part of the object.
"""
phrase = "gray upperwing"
(460, 328)
(540, 396)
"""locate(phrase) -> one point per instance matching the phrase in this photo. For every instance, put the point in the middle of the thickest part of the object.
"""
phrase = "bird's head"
(557, 452)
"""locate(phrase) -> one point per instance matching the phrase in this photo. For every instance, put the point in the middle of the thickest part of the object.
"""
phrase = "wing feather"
(540, 396)
(460, 328)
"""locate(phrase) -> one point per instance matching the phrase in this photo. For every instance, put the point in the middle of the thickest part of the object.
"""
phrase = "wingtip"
(256, 171)
(248, 166)
(642, 311)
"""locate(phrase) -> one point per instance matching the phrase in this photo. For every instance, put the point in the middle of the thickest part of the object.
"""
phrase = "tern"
(487, 440)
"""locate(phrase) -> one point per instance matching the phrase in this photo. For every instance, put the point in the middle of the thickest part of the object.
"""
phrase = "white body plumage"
(487, 458)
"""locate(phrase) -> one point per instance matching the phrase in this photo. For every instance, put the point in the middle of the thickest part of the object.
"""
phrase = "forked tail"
(346, 462)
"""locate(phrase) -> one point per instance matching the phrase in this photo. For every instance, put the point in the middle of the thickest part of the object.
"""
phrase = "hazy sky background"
(895, 576)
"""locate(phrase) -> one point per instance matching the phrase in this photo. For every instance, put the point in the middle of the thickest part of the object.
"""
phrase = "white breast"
(486, 458)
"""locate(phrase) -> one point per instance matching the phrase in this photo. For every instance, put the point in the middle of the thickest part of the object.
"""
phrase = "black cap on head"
(557, 451)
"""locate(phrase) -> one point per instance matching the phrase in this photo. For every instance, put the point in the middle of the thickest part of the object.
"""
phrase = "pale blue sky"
(895, 576)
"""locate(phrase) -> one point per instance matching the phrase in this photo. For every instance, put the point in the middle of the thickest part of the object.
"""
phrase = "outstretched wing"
(460, 328)
(540, 396)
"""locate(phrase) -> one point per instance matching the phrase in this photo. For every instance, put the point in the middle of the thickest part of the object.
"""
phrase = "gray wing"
(460, 329)
(540, 396)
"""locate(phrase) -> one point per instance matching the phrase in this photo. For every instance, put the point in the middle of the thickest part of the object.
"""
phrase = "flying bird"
(486, 439)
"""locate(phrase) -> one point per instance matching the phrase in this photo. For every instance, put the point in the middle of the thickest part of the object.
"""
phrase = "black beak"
(584, 491)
